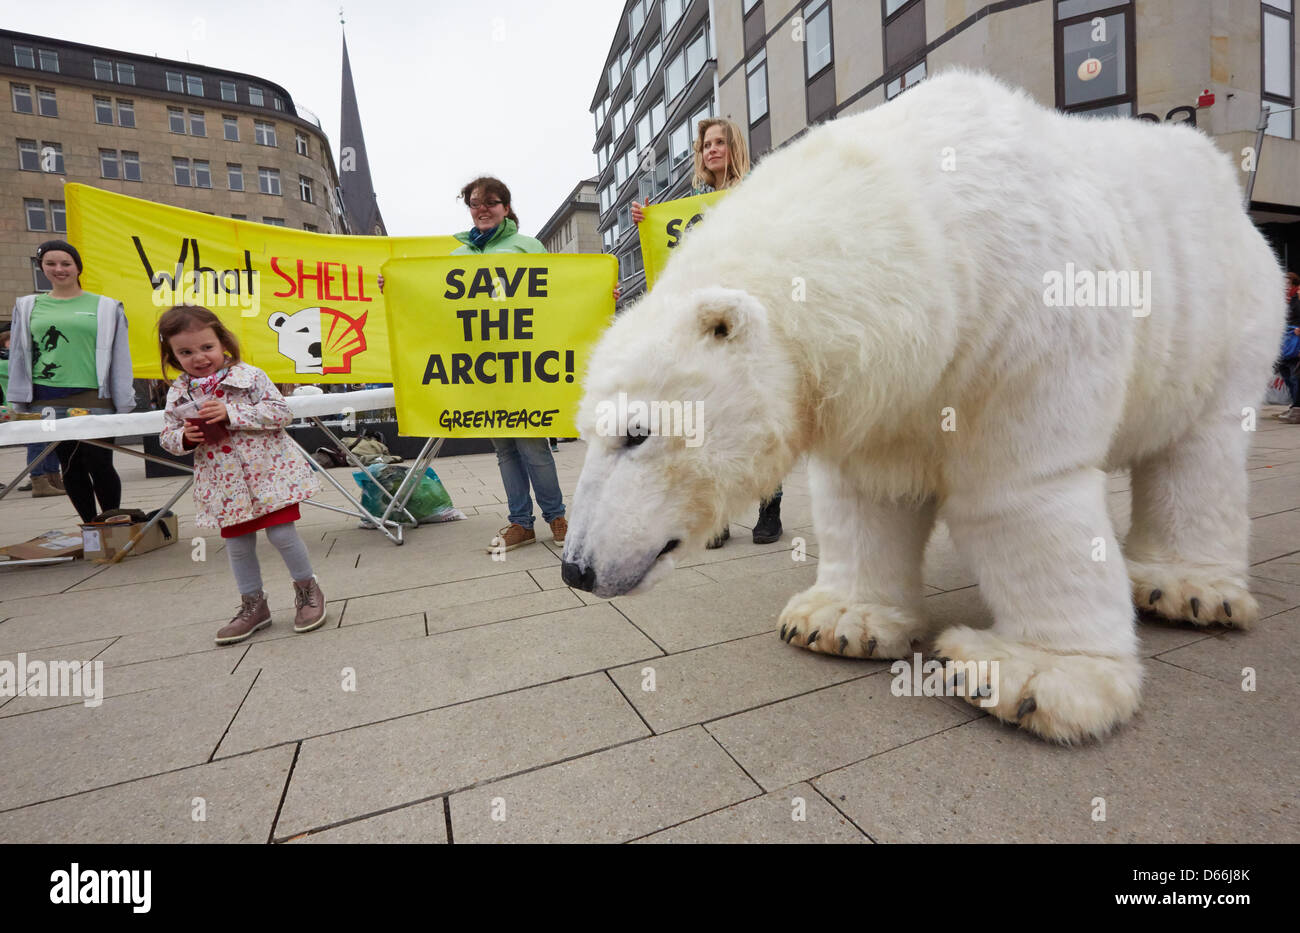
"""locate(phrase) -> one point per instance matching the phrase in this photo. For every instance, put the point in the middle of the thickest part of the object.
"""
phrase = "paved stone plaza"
(494, 703)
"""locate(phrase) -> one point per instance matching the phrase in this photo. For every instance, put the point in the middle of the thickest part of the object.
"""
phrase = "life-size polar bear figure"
(879, 296)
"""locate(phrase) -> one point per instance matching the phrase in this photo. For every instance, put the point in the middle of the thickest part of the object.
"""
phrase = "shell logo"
(319, 340)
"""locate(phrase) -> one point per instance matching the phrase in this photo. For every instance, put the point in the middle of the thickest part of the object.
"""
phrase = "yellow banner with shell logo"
(306, 307)
(664, 226)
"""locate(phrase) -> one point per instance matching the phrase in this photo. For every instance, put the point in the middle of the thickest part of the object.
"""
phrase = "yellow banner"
(495, 345)
(305, 306)
(665, 224)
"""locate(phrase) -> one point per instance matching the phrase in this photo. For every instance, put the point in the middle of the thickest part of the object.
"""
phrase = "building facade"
(574, 227)
(782, 66)
(195, 137)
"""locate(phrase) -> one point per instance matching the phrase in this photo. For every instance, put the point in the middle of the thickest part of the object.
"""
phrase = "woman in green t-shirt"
(69, 350)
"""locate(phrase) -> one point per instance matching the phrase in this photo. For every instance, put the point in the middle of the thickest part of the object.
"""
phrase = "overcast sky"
(448, 89)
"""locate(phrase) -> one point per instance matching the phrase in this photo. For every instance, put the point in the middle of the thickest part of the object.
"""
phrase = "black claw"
(985, 691)
(813, 637)
(793, 632)
(958, 681)
(1196, 606)
(1155, 595)
(944, 661)
(871, 646)
(1027, 706)
(844, 643)
(783, 633)
(1227, 609)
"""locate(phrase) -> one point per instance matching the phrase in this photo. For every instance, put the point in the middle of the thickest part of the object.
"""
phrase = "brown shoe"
(253, 615)
(559, 528)
(42, 487)
(511, 537)
(310, 603)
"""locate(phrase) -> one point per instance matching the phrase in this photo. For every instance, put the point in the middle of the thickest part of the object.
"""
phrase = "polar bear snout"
(573, 575)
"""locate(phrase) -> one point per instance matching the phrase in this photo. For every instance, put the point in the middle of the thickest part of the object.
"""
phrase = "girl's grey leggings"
(243, 556)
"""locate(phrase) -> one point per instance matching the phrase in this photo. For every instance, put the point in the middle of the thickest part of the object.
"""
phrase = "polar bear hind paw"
(1062, 697)
(828, 622)
(1184, 593)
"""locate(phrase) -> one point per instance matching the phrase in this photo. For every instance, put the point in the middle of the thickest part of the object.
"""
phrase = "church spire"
(359, 202)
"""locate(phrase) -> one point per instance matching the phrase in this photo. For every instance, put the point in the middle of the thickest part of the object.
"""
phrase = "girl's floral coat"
(257, 468)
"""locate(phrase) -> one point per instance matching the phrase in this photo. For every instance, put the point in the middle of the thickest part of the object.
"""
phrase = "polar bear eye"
(635, 438)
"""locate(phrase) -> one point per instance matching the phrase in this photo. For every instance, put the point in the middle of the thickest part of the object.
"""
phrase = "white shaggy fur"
(925, 292)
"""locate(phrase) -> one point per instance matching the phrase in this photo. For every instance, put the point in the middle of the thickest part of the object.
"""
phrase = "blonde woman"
(722, 162)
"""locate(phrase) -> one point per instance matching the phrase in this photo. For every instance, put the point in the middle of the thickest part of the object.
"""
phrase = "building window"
(1095, 62)
(24, 56)
(126, 113)
(264, 133)
(300, 142)
(198, 125)
(194, 85)
(273, 221)
(175, 83)
(176, 119)
(181, 169)
(679, 143)
(35, 210)
(108, 164)
(28, 158)
(22, 94)
(817, 37)
(125, 73)
(672, 12)
(58, 217)
(279, 102)
(756, 81)
(231, 125)
(202, 174)
(1276, 65)
(304, 189)
(103, 70)
(268, 180)
(228, 90)
(103, 110)
(49, 60)
(238, 216)
(52, 158)
(131, 165)
(904, 45)
(900, 84)
(255, 96)
(234, 176)
(47, 103)
(311, 228)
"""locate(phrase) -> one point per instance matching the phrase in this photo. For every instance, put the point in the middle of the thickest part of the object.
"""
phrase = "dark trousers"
(88, 475)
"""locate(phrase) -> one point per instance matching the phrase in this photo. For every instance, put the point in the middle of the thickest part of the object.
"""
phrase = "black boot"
(768, 527)
(721, 538)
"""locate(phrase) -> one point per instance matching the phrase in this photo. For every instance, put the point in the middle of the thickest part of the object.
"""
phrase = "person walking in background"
(69, 349)
(1288, 363)
(248, 475)
(722, 162)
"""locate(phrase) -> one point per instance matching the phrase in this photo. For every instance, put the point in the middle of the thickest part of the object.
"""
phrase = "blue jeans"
(47, 466)
(522, 459)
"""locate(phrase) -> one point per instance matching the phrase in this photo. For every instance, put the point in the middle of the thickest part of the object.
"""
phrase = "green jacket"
(507, 239)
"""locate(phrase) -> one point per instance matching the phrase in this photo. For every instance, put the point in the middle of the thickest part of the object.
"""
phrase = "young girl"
(247, 472)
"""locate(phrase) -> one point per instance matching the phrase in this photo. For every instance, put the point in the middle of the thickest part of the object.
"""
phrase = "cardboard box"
(102, 541)
(51, 544)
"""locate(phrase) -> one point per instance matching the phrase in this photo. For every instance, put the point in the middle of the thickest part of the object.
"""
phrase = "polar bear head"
(690, 412)
(299, 338)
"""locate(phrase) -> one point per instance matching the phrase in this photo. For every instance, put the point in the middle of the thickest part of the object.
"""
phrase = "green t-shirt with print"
(4, 379)
(63, 341)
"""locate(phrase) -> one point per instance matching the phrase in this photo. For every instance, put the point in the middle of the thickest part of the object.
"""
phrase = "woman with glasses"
(522, 460)
(722, 162)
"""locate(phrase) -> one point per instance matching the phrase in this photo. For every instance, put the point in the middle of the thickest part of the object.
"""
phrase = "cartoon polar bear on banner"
(888, 296)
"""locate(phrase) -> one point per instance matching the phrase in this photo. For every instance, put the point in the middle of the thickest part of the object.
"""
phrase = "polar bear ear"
(728, 314)
(276, 321)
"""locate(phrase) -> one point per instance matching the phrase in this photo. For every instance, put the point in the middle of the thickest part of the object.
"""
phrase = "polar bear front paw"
(822, 620)
(1185, 593)
(1063, 697)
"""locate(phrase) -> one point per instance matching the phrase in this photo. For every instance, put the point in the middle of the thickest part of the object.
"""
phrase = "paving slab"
(417, 824)
(437, 598)
(610, 796)
(796, 815)
(453, 748)
(227, 801)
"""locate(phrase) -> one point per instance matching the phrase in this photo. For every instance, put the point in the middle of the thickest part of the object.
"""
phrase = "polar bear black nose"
(314, 350)
(573, 575)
